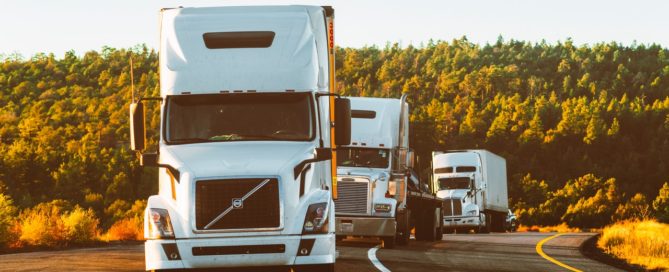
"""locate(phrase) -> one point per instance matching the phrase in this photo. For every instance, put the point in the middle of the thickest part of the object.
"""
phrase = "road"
(461, 252)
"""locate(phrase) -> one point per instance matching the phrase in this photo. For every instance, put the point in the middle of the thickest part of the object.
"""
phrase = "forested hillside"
(584, 129)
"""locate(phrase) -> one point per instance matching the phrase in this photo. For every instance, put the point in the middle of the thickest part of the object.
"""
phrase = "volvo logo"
(237, 203)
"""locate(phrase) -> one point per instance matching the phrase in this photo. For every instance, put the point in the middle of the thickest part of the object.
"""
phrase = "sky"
(57, 26)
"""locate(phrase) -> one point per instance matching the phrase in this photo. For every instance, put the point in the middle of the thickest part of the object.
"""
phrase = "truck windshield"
(362, 157)
(454, 183)
(239, 117)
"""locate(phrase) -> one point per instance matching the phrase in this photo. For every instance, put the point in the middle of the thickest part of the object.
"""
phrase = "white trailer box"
(495, 183)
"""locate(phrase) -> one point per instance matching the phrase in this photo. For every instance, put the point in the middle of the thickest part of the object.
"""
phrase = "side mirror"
(323, 154)
(342, 121)
(137, 130)
(148, 159)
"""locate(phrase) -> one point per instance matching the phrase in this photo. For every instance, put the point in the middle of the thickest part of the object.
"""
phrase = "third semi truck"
(473, 185)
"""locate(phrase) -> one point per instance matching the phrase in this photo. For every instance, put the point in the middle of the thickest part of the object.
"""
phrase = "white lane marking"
(371, 254)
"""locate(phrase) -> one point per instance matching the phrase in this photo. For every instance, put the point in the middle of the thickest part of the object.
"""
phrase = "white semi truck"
(249, 123)
(474, 187)
(380, 195)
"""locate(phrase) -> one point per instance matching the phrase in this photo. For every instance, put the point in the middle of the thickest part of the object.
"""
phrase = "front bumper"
(224, 252)
(365, 226)
(461, 221)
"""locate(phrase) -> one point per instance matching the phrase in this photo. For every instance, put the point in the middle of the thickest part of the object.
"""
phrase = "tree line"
(584, 129)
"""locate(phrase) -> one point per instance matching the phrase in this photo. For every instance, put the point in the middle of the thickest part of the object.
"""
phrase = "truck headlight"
(316, 219)
(160, 225)
(471, 213)
(382, 208)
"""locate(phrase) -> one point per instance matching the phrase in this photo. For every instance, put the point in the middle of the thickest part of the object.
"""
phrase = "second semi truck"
(380, 194)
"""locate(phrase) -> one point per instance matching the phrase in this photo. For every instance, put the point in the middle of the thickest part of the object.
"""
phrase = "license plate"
(347, 227)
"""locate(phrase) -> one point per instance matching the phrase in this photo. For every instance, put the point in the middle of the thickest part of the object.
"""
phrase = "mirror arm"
(173, 171)
(327, 94)
(322, 154)
(299, 168)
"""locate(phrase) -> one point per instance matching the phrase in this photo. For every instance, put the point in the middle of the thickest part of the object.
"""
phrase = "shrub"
(128, 229)
(130, 226)
(42, 225)
(636, 208)
(117, 210)
(7, 220)
(644, 243)
(661, 203)
(80, 225)
(55, 224)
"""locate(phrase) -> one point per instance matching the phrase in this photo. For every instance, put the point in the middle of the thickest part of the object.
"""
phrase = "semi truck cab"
(249, 125)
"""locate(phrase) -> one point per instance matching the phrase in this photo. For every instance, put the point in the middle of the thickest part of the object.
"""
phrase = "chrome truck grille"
(228, 204)
(353, 197)
(452, 207)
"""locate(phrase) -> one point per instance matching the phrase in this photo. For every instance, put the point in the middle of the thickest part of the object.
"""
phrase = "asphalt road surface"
(461, 252)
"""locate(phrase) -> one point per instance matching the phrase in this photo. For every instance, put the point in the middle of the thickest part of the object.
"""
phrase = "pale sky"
(31, 26)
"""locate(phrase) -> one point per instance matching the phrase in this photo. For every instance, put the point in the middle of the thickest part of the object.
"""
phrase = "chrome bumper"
(365, 226)
(465, 221)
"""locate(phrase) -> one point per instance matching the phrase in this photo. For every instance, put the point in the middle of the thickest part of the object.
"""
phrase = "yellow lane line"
(541, 252)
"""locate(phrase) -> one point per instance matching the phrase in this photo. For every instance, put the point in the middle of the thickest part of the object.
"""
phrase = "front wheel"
(404, 228)
(388, 242)
(483, 218)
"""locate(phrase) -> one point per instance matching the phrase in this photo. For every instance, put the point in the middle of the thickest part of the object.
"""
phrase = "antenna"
(132, 79)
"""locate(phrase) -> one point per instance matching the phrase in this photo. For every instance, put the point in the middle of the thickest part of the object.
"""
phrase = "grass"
(644, 243)
(557, 228)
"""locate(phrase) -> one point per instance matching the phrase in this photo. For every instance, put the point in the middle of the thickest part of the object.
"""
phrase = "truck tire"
(403, 228)
(440, 226)
(419, 224)
(388, 242)
(486, 227)
(425, 227)
(498, 222)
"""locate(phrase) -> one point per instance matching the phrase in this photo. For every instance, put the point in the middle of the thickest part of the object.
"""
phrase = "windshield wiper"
(189, 140)
(236, 137)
